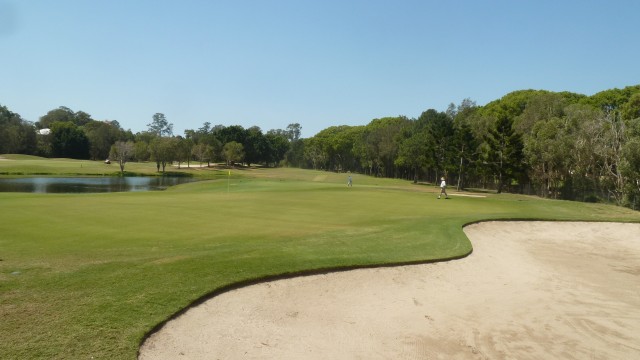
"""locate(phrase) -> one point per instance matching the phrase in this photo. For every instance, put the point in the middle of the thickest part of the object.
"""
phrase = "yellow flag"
(229, 172)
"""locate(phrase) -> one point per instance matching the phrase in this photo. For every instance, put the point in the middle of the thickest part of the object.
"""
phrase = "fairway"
(90, 275)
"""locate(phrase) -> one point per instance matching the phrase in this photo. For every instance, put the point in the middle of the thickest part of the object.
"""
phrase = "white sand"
(530, 290)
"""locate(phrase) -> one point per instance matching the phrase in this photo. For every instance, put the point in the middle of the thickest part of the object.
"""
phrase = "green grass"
(88, 275)
(21, 165)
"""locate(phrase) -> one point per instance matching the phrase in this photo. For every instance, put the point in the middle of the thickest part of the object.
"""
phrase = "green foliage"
(590, 154)
(612, 99)
(16, 135)
(631, 109)
(160, 126)
(233, 152)
(68, 141)
(504, 152)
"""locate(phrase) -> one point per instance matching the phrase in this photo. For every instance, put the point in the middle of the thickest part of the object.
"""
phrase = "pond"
(90, 184)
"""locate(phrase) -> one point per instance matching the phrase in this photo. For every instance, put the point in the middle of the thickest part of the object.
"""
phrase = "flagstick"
(228, 179)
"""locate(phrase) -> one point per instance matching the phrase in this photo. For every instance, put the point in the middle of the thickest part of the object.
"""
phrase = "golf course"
(90, 276)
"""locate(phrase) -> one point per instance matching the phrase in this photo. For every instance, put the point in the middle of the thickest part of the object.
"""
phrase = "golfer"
(443, 188)
(349, 181)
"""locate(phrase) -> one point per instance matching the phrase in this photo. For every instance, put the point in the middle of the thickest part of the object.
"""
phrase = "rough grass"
(88, 275)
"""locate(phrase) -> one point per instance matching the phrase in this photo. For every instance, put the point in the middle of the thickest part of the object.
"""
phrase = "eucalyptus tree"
(314, 153)
(201, 152)
(631, 109)
(548, 152)
(141, 152)
(207, 136)
(335, 146)
(294, 131)
(163, 151)
(122, 151)
(160, 126)
(183, 147)
(233, 152)
(381, 141)
(612, 99)
(542, 105)
(631, 164)
(610, 150)
(295, 154)
(587, 136)
(101, 135)
(203, 132)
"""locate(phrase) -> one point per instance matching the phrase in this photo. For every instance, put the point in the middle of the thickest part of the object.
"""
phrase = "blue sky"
(318, 63)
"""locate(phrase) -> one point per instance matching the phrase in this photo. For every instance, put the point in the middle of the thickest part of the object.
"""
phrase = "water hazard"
(90, 184)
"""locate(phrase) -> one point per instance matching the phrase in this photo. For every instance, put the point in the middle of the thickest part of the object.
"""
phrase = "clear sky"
(319, 63)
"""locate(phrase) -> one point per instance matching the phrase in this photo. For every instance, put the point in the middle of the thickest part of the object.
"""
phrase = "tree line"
(553, 144)
(63, 133)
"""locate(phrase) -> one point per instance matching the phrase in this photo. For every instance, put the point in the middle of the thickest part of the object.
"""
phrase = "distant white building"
(44, 131)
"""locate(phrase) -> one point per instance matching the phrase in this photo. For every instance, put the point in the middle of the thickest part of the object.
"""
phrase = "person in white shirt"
(443, 188)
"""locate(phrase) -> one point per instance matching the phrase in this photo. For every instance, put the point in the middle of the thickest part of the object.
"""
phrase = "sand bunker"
(530, 290)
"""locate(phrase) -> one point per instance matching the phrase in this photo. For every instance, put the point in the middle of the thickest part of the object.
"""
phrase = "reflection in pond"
(90, 184)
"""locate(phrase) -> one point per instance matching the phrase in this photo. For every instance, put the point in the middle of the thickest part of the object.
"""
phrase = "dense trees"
(554, 144)
(16, 135)
(68, 140)
(503, 152)
(560, 145)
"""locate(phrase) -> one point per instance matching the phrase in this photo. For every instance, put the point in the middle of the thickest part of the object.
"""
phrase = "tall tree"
(255, 146)
(294, 131)
(160, 126)
(183, 150)
(548, 153)
(441, 131)
(504, 153)
(277, 148)
(631, 164)
(295, 155)
(414, 151)
(69, 141)
(163, 151)
(61, 114)
(464, 146)
(101, 135)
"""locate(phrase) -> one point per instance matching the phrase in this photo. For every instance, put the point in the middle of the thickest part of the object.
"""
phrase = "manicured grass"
(89, 275)
(20, 165)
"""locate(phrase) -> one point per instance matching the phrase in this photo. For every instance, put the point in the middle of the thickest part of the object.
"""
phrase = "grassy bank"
(87, 276)
(27, 165)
